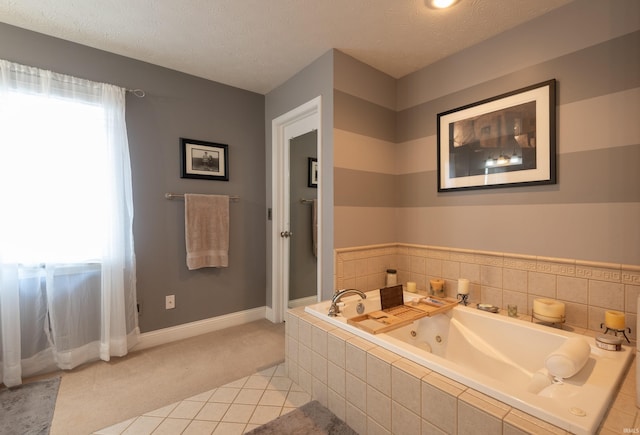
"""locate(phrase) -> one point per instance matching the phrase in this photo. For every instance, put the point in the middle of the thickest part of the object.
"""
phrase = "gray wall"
(177, 105)
(592, 213)
(313, 81)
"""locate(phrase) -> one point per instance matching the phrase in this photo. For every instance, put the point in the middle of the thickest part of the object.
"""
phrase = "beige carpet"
(101, 394)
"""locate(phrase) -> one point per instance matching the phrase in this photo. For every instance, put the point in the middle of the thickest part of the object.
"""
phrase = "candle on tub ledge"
(548, 308)
(463, 286)
(614, 320)
(411, 287)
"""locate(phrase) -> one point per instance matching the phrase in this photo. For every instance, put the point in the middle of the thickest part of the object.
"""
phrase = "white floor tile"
(281, 370)
(212, 411)
(264, 414)
(143, 426)
(238, 413)
(224, 395)
(234, 408)
(273, 398)
(248, 396)
(258, 382)
(186, 409)
(297, 398)
(199, 427)
(171, 426)
(279, 383)
(230, 429)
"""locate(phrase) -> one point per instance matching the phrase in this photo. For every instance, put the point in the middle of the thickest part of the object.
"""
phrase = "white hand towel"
(569, 358)
(206, 230)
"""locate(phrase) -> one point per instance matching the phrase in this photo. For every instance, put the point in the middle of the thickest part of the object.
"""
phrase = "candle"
(411, 286)
(614, 320)
(548, 308)
(463, 286)
(437, 287)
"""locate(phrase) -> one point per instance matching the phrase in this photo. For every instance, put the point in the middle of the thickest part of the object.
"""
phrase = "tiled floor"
(234, 408)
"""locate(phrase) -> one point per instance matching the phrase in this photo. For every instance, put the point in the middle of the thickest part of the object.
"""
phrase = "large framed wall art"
(507, 140)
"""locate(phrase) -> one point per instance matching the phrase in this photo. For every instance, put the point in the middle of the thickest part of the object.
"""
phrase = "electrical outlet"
(170, 302)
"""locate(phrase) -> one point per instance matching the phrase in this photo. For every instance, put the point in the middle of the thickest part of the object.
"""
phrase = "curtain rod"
(181, 195)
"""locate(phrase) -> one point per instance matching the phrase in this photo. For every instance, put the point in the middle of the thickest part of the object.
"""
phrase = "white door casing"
(294, 123)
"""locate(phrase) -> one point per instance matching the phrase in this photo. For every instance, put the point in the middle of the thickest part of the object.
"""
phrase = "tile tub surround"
(379, 392)
(588, 289)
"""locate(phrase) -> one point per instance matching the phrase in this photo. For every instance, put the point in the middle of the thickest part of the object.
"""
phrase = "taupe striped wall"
(385, 178)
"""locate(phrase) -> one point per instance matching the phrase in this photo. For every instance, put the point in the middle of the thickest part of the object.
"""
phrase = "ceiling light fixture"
(440, 4)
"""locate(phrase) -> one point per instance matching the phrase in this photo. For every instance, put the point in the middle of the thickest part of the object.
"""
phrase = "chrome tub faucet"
(334, 310)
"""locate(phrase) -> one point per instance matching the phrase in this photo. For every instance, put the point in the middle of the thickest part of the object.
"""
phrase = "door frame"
(296, 122)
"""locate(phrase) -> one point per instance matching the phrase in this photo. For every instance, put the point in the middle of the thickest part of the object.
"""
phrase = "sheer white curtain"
(67, 264)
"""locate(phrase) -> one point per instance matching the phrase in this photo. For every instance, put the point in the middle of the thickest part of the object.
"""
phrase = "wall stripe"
(361, 226)
(599, 176)
(579, 231)
(364, 189)
(595, 71)
(363, 117)
(363, 153)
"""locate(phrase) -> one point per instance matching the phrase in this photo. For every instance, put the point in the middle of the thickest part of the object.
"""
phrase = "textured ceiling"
(259, 44)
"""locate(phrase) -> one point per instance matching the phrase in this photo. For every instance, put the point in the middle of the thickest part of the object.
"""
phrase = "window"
(67, 269)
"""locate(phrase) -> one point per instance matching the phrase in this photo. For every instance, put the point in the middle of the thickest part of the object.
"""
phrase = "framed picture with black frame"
(503, 141)
(313, 172)
(204, 160)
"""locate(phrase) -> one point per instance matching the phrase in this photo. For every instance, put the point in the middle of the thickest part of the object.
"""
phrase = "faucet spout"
(334, 310)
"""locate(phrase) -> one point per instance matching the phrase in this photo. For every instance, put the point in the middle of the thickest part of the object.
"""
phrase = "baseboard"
(192, 329)
(302, 302)
(269, 315)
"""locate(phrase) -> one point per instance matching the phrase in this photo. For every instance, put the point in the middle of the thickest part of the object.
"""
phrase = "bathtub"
(502, 358)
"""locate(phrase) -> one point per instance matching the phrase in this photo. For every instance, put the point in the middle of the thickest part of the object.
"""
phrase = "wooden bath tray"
(433, 305)
(391, 318)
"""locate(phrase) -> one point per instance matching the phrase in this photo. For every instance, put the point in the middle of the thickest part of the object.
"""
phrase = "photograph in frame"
(204, 160)
(502, 141)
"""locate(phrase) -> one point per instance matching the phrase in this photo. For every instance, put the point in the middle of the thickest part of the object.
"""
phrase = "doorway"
(301, 123)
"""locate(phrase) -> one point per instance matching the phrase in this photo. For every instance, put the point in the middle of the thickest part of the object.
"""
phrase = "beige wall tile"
(319, 391)
(356, 418)
(514, 280)
(336, 379)
(473, 420)
(430, 429)
(439, 401)
(573, 289)
(406, 384)
(631, 293)
(403, 421)
(379, 369)
(356, 357)
(492, 295)
(319, 338)
(542, 284)
(374, 428)
(356, 392)
(305, 359)
(607, 295)
(336, 346)
(471, 271)
(319, 368)
(379, 407)
(450, 269)
(491, 276)
(337, 404)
